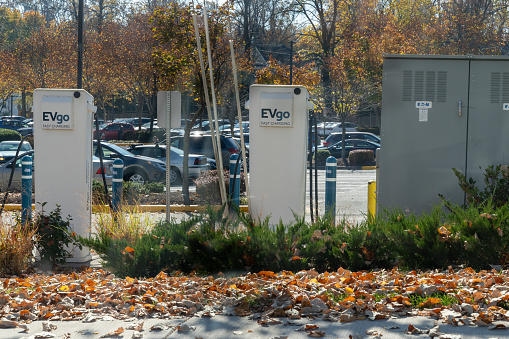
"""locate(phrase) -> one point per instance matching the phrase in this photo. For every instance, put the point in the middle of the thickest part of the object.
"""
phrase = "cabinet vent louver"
(495, 87)
(505, 87)
(425, 85)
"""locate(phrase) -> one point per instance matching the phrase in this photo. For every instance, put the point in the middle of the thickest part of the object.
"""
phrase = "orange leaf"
(129, 249)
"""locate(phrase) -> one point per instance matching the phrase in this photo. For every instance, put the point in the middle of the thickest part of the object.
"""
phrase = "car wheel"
(175, 177)
(137, 177)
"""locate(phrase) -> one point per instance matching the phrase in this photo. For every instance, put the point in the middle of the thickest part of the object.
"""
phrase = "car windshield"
(177, 150)
(13, 146)
(119, 150)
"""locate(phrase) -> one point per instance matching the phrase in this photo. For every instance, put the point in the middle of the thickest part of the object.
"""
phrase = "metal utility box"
(278, 121)
(439, 113)
(63, 149)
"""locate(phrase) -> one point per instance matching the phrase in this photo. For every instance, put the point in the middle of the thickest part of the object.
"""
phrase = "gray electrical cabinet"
(439, 113)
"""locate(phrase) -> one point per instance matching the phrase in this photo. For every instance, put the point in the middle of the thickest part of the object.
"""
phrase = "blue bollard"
(117, 186)
(235, 195)
(330, 187)
(26, 189)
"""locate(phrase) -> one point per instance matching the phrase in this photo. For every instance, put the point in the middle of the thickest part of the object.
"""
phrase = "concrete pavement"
(223, 326)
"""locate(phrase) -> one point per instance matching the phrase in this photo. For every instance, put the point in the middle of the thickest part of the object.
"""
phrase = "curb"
(139, 208)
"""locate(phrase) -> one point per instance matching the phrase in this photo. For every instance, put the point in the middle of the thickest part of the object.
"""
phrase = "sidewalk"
(223, 326)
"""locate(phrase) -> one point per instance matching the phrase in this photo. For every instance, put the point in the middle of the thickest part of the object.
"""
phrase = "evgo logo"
(55, 117)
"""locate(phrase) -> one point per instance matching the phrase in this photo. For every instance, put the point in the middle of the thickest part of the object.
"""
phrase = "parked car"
(113, 130)
(350, 145)
(206, 127)
(236, 137)
(337, 137)
(133, 121)
(17, 125)
(137, 169)
(332, 127)
(196, 163)
(8, 149)
(202, 144)
(6, 168)
(155, 127)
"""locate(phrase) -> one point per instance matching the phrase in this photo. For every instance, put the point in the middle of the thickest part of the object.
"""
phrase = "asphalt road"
(351, 194)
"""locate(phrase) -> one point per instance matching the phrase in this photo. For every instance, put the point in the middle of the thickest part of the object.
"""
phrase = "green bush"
(207, 185)
(476, 235)
(9, 135)
(54, 236)
(321, 156)
(496, 186)
(361, 157)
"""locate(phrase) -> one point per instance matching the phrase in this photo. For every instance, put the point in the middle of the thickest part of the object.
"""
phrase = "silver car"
(6, 168)
(196, 163)
(8, 149)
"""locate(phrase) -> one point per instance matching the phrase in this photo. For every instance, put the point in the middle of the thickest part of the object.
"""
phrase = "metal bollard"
(26, 189)
(235, 195)
(371, 198)
(331, 167)
(117, 185)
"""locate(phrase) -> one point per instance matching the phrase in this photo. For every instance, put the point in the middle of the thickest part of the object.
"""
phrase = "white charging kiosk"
(278, 132)
(63, 120)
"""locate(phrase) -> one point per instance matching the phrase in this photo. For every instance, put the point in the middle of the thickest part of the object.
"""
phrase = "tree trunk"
(185, 147)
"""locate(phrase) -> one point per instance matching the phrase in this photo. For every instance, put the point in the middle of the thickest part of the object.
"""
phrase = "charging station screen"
(57, 112)
(276, 109)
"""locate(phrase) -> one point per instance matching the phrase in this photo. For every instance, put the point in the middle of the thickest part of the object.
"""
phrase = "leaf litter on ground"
(478, 298)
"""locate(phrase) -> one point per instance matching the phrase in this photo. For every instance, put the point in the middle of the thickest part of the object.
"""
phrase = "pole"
(26, 190)
(220, 172)
(168, 147)
(234, 180)
(291, 62)
(80, 45)
(217, 156)
(117, 187)
(330, 187)
(371, 198)
(239, 114)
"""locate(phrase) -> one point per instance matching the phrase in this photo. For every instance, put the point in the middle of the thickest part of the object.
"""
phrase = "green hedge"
(9, 135)
(361, 157)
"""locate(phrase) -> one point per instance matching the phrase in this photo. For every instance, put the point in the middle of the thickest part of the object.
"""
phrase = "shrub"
(9, 135)
(131, 192)
(129, 135)
(16, 246)
(54, 236)
(496, 189)
(369, 129)
(321, 156)
(207, 185)
(98, 194)
(147, 137)
(361, 157)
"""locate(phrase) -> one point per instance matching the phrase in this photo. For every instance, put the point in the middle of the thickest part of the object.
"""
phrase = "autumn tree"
(177, 59)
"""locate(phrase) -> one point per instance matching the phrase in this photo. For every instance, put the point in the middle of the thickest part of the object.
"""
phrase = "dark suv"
(137, 169)
(334, 138)
(202, 144)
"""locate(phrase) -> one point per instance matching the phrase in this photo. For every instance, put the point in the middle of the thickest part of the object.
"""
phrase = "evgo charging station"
(63, 120)
(278, 125)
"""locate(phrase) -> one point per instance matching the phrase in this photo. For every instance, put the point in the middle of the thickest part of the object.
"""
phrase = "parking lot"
(351, 193)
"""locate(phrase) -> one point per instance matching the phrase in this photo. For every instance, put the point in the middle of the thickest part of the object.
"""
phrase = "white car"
(8, 149)
(335, 127)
